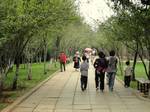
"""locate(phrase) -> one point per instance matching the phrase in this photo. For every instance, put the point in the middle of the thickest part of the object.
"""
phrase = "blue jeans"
(111, 80)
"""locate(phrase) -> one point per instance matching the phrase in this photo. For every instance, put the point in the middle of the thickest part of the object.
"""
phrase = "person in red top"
(62, 60)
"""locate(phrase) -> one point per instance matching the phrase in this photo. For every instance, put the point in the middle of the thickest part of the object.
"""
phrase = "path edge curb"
(26, 95)
(136, 92)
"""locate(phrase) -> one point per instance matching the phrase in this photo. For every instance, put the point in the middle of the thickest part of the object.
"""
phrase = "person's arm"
(116, 60)
(79, 59)
(96, 63)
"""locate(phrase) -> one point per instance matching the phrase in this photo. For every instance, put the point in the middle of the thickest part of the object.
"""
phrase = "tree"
(21, 20)
(135, 18)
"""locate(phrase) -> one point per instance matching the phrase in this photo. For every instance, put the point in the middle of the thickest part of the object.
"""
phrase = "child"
(127, 75)
(84, 73)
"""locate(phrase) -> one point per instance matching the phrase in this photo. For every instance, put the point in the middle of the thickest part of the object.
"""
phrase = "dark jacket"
(101, 64)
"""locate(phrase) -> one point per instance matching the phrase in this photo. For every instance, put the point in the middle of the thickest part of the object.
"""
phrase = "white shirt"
(128, 71)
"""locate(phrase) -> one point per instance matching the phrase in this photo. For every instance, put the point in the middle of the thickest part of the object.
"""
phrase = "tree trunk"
(30, 70)
(40, 59)
(1, 82)
(134, 64)
(149, 65)
(11, 66)
(120, 64)
(146, 71)
(45, 57)
(36, 59)
(9, 69)
(23, 62)
(14, 87)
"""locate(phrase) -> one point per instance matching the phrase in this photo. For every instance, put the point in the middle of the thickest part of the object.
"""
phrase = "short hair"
(127, 62)
(83, 58)
(101, 54)
(112, 53)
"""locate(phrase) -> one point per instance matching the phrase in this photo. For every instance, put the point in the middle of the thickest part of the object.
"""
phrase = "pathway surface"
(62, 93)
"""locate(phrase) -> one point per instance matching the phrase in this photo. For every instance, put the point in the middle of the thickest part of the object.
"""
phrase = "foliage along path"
(62, 93)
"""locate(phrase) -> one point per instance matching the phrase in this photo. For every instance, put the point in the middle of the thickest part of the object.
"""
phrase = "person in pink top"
(62, 60)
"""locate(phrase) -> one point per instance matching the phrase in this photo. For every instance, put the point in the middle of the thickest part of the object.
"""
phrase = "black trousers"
(99, 80)
(62, 66)
(127, 80)
(83, 82)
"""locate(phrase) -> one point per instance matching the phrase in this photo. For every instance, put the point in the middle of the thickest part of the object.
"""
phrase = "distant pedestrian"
(77, 61)
(112, 69)
(84, 73)
(62, 60)
(127, 74)
(100, 66)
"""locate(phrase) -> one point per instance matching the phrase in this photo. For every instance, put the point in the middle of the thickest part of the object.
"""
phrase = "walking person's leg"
(128, 81)
(102, 76)
(109, 80)
(82, 83)
(125, 81)
(96, 80)
(112, 81)
(61, 66)
(85, 83)
(64, 66)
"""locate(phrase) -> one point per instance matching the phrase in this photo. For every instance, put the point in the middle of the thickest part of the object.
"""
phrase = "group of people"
(103, 66)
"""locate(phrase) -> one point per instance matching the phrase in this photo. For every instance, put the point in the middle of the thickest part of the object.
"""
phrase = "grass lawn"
(139, 72)
(24, 85)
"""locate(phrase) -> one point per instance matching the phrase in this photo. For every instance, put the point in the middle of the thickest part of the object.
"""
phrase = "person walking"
(84, 73)
(100, 66)
(77, 61)
(62, 60)
(127, 74)
(112, 69)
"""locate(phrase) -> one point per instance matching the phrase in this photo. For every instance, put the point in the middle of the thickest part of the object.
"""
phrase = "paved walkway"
(62, 93)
